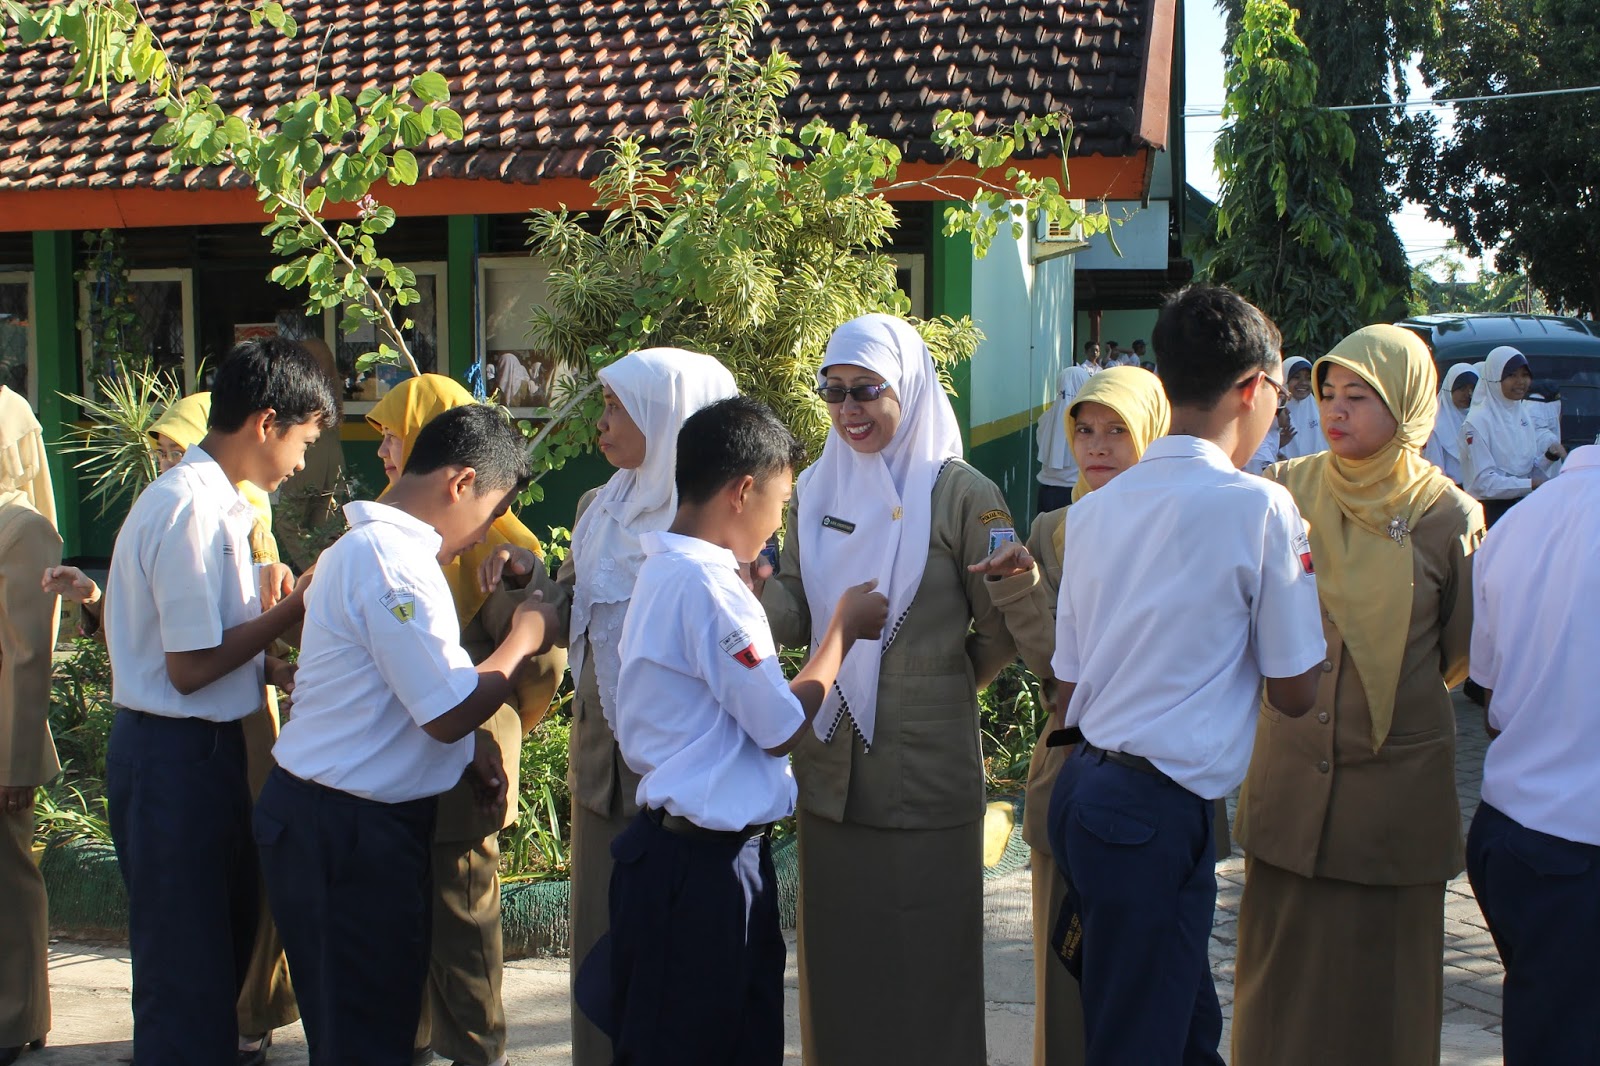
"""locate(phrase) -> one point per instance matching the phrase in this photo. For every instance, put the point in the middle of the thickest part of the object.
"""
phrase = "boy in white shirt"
(385, 707)
(1198, 586)
(187, 637)
(691, 971)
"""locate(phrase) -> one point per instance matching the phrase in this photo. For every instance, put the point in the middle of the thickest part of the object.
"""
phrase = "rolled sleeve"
(1286, 616)
(739, 662)
(186, 580)
(416, 646)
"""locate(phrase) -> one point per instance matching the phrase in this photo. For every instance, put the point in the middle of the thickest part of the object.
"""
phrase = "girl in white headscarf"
(648, 395)
(1504, 453)
(1303, 434)
(1443, 449)
(891, 784)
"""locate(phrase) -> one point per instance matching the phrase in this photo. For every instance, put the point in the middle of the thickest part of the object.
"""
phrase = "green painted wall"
(56, 338)
(950, 293)
(1009, 463)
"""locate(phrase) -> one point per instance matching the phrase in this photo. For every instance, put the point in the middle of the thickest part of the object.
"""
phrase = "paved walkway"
(90, 986)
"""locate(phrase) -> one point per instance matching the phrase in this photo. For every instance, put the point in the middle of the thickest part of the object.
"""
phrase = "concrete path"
(90, 985)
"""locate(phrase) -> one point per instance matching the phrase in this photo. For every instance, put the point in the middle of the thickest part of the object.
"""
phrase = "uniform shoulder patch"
(401, 603)
(999, 535)
(741, 647)
(1302, 548)
(995, 516)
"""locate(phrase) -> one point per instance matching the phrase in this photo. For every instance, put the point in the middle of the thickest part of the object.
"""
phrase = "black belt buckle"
(1064, 738)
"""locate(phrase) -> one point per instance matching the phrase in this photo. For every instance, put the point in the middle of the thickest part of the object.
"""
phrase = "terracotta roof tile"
(543, 87)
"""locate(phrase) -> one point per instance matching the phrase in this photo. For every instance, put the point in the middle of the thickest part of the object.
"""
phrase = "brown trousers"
(1057, 1008)
(24, 936)
(463, 1018)
(590, 915)
(266, 1000)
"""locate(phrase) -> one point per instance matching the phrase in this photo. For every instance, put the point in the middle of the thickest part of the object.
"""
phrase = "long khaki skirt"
(1332, 973)
(590, 915)
(891, 944)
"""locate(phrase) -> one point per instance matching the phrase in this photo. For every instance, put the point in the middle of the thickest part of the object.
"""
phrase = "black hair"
(271, 372)
(1207, 337)
(1090, 344)
(728, 440)
(478, 436)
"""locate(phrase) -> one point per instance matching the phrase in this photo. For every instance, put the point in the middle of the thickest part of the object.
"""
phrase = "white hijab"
(1447, 427)
(1055, 449)
(1304, 416)
(1504, 426)
(659, 388)
(885, 500)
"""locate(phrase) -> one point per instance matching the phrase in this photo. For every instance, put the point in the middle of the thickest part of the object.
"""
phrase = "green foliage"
(1518, 178)
(1441, 286)
(109, 317)
(115, 444)
(73, 806)
(538, 846)
(317, 150)
(1287, 237)
(752, 242)
(1012, 712)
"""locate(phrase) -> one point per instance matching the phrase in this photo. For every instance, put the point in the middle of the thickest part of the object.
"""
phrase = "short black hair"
(1206, 338)
(730, 439)
(476, 435)
(271, 372)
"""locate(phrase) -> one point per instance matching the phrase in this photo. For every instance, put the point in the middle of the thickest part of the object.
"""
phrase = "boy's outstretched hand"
(70, 583)
(535, 623)
(488, 776)
(512, 558)
(1008, 560)
(862, 612)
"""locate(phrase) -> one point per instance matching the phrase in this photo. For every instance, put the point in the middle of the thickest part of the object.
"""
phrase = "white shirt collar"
(361, 512)
(695, 548)
(1183, 446)
(1584, 458)
(213, 479)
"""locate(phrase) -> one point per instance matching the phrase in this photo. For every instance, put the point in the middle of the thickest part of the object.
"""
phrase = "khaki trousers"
(1058, 1010)
(266, 1001)
(463, 1018)
(590, 915)
(24, 936)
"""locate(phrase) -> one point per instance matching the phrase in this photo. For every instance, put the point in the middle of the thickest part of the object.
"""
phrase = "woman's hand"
(506, 558)
(756, 574)
(277, 582)
(71, 583)
(280, 674)
(1008, 560)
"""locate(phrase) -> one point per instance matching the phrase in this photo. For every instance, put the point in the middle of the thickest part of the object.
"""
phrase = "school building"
(543, 88)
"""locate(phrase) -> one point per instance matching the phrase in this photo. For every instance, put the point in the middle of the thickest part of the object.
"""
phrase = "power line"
(1210, 112)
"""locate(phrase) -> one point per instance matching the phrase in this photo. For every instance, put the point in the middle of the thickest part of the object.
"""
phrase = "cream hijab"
(880, 506)
(659, 388)
(23, 463)
(1361, 511)
(1504, 426)
(1447, 428)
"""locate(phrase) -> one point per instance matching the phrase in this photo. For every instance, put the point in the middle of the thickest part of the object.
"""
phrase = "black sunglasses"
(859, 393)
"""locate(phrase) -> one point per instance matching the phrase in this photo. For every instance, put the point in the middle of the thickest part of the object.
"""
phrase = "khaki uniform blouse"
(925, 770)
(28, 618)
(1028, 604)
(1318, 801)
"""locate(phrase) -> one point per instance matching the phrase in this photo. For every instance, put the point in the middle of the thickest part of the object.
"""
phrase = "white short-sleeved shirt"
(1535, 633)
(701, 694)
(1199, 583)
(181, 576)
(380, 657)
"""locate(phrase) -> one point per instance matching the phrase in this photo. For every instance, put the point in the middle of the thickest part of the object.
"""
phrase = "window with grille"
(160, 327)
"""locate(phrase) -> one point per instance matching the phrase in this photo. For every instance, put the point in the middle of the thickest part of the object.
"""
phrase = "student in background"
(1533, 852)
(892, 783)
(187, 636)
(1113, 419)
(1300, 424)
(1216, 562)
(1058, 470)
(384, 722)
(1349, 817)
(1443, 449)
(1504, 453)
(29, 545)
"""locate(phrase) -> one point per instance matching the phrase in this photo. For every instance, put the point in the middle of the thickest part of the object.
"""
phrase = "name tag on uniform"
(830, 522)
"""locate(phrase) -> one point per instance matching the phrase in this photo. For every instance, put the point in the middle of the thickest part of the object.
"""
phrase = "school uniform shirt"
(1208, 571)
(1056, 463)
(1534, 634)
(380, 657)
(701, 694)
(182, 574)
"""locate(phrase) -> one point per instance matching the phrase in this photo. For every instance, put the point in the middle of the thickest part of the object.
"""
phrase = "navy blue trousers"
(1541, 897)
(180, 819)
(1137, 852)
(695, 956)
(351, 889)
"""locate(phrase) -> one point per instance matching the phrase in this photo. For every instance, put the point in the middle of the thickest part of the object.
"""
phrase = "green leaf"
(431, 87)
(402, 168)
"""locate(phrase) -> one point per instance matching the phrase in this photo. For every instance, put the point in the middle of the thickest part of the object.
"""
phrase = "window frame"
(25, 277)
(191, 334)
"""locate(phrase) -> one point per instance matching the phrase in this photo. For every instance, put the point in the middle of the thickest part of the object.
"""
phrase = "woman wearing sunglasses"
(891, 784)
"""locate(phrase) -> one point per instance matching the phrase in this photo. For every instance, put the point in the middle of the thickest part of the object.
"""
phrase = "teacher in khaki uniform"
(891, 780)
(1348, 817)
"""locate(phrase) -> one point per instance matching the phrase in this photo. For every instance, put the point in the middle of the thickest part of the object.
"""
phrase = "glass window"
(17, 335)
(155, 320)
(514, 368)
(428, 339)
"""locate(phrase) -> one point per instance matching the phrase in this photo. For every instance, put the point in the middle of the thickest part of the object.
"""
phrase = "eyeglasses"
(858, 393)
(1283, 391)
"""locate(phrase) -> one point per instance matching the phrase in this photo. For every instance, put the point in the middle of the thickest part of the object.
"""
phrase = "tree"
(1287, 236)
(1519, 178)
(1441, 286)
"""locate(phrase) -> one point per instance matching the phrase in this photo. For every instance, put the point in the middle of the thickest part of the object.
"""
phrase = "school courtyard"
(93, 1024)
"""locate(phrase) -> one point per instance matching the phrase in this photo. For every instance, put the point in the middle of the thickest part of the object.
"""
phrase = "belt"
(681, 826)
(1072, 735)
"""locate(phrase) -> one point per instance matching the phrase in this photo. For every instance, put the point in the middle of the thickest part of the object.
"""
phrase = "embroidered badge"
(1469, 436)
(1302, 548)
(1398, 530)
(742, 648)
(1000, 535)
(830, 522)
(401, 603)
(994, 516)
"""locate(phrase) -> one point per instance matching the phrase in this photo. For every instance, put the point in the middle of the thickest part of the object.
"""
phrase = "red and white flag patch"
(1469, 436)
(1302, 548)
(742, 647)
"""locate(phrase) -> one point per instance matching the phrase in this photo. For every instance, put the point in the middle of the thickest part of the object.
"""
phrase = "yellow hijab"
(185, 423)
(404, 411)
(1361, 511)
(1136, 396)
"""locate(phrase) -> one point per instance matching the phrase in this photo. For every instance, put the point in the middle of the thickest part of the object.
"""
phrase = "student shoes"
(252, 1050)
(8, 1055)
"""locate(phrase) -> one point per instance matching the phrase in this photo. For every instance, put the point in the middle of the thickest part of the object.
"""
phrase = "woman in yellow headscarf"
(1109, 423)
(462, 1016)
(1349, 817)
